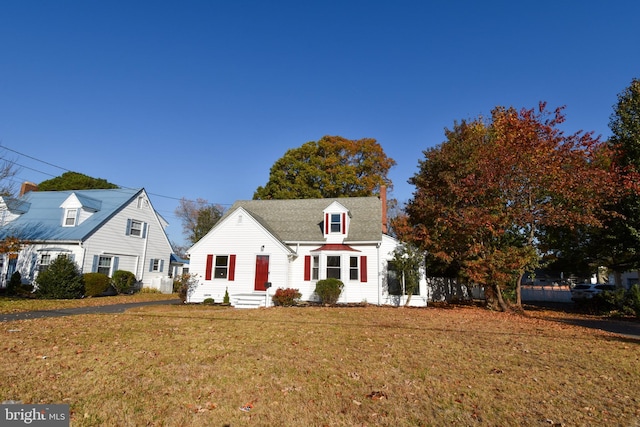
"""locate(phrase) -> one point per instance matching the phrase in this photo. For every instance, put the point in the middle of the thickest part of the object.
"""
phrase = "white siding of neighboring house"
(239, 235)
(134, 253)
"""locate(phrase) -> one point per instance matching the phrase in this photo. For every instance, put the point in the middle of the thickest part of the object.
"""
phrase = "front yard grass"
(183, 365)
(19, 304)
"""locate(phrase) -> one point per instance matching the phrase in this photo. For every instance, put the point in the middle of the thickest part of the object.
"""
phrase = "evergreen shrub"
(95, 284)
(61, 280)
(329, 290)
(124, 281)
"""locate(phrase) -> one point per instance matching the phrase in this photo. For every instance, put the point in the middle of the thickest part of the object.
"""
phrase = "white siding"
(134, 253)
(243, 237)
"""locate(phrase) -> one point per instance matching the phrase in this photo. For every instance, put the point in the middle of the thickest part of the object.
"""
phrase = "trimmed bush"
(96, 284)
(329, 290)
(61, 280)
(286, 297)
(225, 299)
(123, 281)
(208, 301)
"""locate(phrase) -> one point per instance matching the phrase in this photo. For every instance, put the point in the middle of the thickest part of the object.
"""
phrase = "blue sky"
(198, 99)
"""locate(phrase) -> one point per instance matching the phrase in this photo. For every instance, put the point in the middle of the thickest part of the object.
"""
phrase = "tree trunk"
(503, 305)
(406, 304)
(519, 290)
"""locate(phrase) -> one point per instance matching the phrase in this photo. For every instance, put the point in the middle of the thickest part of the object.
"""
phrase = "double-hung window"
(70, 217)
(333, 267)
(335, 223)
(353, 268)
(136, 228)
(45, 260)
(315, 267)
(222, 267)
(104, 265)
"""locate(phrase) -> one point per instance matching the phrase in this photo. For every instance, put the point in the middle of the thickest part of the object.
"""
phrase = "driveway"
(103, 309)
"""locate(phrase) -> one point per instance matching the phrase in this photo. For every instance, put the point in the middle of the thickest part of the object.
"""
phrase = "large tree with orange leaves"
(485, 196)
(331, 167)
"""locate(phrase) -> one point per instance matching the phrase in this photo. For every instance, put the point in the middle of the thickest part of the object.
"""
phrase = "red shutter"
(207, 272)
(344, 223)
(363, 268)
(326, 223)
(232, 267)
(307, 268)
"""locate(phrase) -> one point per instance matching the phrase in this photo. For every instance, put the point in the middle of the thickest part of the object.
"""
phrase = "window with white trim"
(44, 261)
(104, 265)
(70, 217)
(335, 223)
(135, 228)
(222, 267)
(354, 269)
(333, 267)
(315, 267)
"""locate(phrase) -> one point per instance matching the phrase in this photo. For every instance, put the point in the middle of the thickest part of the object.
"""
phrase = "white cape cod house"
(101, 230)
(261, 245)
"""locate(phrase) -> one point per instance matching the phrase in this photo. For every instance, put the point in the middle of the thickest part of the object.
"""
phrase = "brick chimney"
(27, 187)
(383, 199)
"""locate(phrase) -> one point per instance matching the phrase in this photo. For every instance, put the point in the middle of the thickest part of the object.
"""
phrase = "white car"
(585, 291)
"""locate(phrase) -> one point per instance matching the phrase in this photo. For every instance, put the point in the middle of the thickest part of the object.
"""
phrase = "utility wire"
(2, 146)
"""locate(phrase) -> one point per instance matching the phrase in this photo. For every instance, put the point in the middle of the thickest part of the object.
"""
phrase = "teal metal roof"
(44, 217)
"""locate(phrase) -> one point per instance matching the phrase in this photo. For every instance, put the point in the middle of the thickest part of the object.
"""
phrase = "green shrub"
(61, 280)
(225, 299)
(123, 281)
(329, 290)
(208, 301)
(14, 284)
(286, 297)
(95, 284)
(626, 302)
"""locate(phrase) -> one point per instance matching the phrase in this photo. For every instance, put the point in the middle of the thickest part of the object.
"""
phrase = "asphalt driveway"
(103, 309)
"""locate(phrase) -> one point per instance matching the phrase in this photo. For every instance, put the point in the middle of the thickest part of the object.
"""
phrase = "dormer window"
(70, 217)
(336, 223)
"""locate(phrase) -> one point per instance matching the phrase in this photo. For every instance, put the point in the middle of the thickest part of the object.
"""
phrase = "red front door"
(262, 272)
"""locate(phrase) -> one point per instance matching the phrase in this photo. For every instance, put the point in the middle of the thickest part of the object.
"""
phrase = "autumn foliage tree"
(331, 167)
(198, 217)
(485, 196)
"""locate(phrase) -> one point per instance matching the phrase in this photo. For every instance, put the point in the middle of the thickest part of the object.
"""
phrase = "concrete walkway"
(102, 309)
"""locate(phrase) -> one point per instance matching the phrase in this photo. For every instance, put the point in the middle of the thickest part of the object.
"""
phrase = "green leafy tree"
(331, 167)
(198, 217)
(486, 195)
(75, 181)
(622, 235)
(61, 280)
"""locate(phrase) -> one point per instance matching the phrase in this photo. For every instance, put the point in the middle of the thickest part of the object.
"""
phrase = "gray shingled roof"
(301, 220)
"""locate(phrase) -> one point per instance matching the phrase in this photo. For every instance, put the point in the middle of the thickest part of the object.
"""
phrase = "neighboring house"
(101, 230)
(261, 245)
(178, 266)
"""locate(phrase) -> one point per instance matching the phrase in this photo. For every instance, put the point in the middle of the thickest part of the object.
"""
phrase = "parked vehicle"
(586, 291)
